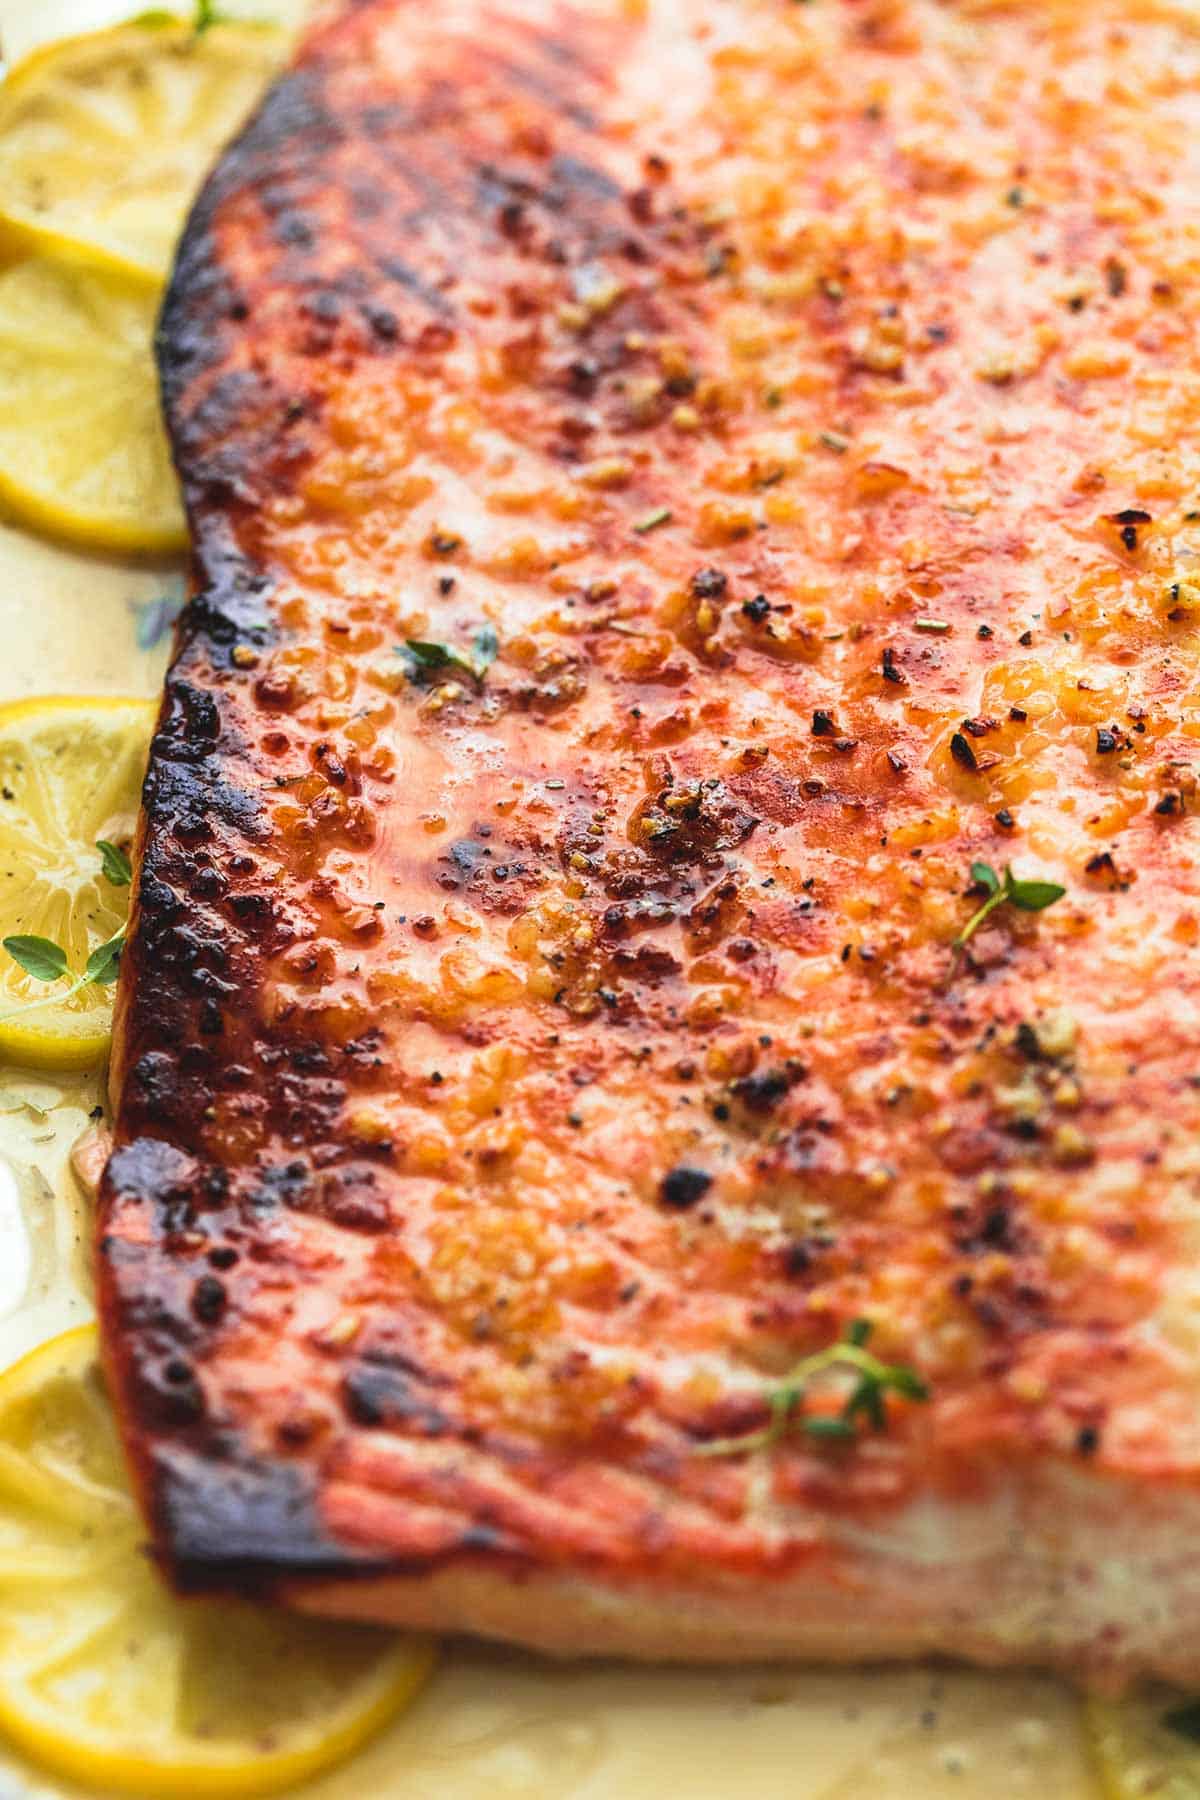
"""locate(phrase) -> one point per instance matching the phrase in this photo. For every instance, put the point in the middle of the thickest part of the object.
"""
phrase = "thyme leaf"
(486, 647)
(866, 1400)
(47, 961)
(427, 657)
(103, 965)
(1035, 896)
(38, 956)
(115, 863)
(1026, 896)
(207, 15)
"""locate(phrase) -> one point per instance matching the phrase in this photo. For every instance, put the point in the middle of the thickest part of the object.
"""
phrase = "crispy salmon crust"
(675, 489)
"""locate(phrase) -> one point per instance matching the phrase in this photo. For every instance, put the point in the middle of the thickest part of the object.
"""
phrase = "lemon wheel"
(83, 453)
(107, 1679)
(105, 138)
(1147, 1746)
(70, 777)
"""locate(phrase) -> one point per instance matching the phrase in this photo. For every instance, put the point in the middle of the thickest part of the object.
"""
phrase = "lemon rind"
(24, 234)
(91, 531)
(214, 1770)
(80, 1046)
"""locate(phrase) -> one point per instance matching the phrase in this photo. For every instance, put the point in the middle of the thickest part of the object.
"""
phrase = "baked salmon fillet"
(657, 1070)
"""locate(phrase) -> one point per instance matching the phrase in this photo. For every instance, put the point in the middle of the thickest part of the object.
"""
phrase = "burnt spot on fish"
(232, 1520)
(683, 1187)
(378, 1394)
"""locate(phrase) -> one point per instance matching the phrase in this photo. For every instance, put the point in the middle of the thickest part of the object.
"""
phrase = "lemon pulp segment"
(71, 772)
(105, 138)
(108, 1679)
(1140, 1756)
(83, 453)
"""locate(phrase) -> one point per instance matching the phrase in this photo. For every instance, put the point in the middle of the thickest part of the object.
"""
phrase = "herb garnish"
(153, 619)
(208, 14)
(866, 1400)
(1026, 896)
(205, 16)
(38, 956)
(427, 658)
(653, 520)
(47, 961)
(115, 863)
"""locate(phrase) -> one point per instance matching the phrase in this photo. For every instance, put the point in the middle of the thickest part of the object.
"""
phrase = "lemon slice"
(1140, 1755)
(104, 139)
(83, 453)
(70, 776)
(104, 1676)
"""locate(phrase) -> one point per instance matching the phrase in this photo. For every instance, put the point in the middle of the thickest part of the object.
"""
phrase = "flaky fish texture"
(685, 494)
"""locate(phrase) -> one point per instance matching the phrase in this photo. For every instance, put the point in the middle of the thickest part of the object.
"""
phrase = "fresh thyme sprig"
(205, 14)
(865, 1403)
(47, 961)
(427, 658)
(1026, 896)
